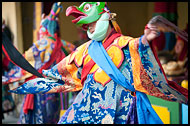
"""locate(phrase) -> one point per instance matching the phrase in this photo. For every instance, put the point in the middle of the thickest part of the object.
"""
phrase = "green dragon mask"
(89, 12)
(86, 13)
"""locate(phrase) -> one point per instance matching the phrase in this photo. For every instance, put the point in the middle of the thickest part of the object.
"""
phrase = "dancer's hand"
(151, 32)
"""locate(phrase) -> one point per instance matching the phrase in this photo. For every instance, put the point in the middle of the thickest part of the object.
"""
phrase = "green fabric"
(66, 53)
(52, 38)
(173, 108)
(70, 97)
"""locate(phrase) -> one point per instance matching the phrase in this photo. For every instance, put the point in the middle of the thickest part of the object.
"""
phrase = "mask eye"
(98, 3)
(87, 7)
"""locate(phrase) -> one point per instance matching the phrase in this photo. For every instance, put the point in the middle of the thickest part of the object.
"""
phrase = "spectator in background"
(8, 103)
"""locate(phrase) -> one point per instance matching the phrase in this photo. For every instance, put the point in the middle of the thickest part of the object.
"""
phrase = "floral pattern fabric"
(97, 104)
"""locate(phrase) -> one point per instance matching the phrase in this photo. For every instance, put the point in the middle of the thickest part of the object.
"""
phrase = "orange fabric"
(136, 64)
(116, 26)
(86, 68)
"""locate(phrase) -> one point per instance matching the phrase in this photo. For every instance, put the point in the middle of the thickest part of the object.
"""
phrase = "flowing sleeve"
(16, 73)
(149, 76)
(37, 55)
(63, 77)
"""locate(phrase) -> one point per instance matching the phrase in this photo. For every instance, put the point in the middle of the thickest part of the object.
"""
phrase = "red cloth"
(168, 9)
(159, 42)
(146, 27)
(57, 55)
(5, 63)
(29, 103)
(86, 69)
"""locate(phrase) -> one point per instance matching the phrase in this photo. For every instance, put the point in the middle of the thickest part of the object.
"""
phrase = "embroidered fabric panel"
(155, 74)
(67, 73)
(38, 85)
(97, 104)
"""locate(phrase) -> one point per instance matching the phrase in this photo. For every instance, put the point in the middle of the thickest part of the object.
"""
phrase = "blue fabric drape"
(145, 112)
(102, 59)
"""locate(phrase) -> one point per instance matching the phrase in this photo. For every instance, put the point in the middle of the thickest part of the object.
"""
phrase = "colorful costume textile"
(44, 53)
(103, 98)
